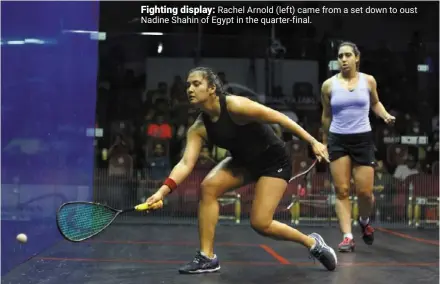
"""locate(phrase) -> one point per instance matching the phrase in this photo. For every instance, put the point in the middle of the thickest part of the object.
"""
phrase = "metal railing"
(411, 203)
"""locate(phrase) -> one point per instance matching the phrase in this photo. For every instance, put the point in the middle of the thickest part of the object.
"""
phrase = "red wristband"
(170, 183)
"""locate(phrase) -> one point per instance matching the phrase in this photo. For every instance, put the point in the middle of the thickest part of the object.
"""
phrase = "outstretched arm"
(194, 142)
(248, 110)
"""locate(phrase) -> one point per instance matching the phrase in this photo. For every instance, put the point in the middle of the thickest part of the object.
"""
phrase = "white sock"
(364, 222)
(349, 235)
(314, 245)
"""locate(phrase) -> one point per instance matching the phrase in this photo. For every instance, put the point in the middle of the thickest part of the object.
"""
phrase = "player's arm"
(194, 141)
(326, 117)
(248, 110)
(376, 106)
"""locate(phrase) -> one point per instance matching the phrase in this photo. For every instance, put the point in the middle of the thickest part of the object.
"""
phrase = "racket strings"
(81, 221)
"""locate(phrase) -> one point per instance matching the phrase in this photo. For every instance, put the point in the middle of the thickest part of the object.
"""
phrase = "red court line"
(389, 264)
(248, 263)
(251, 263)
(406, 236)
(275, 255)
(168, 243)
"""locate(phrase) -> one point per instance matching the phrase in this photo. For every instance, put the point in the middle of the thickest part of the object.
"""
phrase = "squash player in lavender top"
(346, 99)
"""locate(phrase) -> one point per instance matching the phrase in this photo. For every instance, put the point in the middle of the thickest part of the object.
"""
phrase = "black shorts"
(273, 162)
(359, 147)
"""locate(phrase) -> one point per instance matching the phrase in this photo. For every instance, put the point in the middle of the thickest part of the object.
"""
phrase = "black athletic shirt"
(244, 142)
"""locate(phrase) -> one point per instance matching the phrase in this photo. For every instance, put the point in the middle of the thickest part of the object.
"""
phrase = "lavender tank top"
(350, 109)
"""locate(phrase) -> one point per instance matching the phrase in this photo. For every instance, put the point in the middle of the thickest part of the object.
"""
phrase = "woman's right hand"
(320, 151)
(153, 200)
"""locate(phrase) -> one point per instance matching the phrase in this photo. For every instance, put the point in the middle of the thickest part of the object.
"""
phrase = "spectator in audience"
(205, 161)
(383, 189)
(160, 105)
(407, 169)
(181, 134)
(161, 93)
(183, 128)
(158, 164)
(120, 171)
(119, 147)
(120, 161)
(159, 128)
(381, 177)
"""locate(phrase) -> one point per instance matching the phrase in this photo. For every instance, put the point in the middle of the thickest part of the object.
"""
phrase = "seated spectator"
(161, 93)
(120, 165)
(118, 192)
(407, 169)
(158, 164)
(159, 128)
(160, 106)
(205, 161)
(120, 170)
(382, 179)
(384, 192)
(157, 167)
(119, 147)
(183, 128)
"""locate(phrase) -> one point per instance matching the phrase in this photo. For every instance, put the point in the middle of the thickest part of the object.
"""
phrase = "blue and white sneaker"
(201, 264)
(323, 253)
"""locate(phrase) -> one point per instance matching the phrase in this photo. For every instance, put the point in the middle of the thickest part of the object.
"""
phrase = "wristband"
(170, 183)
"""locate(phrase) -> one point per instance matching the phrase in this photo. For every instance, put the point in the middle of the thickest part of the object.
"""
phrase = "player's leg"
(268, 193)
(363, 176)
(225, 176)
(341, 174)
(364, 181)
(340, 169)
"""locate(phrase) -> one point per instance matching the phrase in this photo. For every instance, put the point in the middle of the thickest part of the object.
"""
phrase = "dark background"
(391, 48)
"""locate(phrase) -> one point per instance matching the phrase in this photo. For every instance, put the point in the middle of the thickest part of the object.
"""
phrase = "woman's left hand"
(389, 119)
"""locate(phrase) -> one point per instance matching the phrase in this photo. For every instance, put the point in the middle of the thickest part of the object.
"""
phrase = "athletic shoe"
(323, 253)
(367, 233)
(347, 245)
(200, 264)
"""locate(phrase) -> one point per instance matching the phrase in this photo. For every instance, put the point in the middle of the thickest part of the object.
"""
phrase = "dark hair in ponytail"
(212, 78)
(355, 51)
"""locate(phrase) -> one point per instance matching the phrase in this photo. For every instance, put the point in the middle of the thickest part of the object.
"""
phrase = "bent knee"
(343, 192)
(261, 225)
(210, 189)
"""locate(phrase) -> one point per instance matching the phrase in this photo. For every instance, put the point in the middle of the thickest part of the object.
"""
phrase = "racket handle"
(145, 206)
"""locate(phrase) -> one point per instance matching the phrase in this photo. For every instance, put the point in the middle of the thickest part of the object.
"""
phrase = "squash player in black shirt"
(257, 155)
